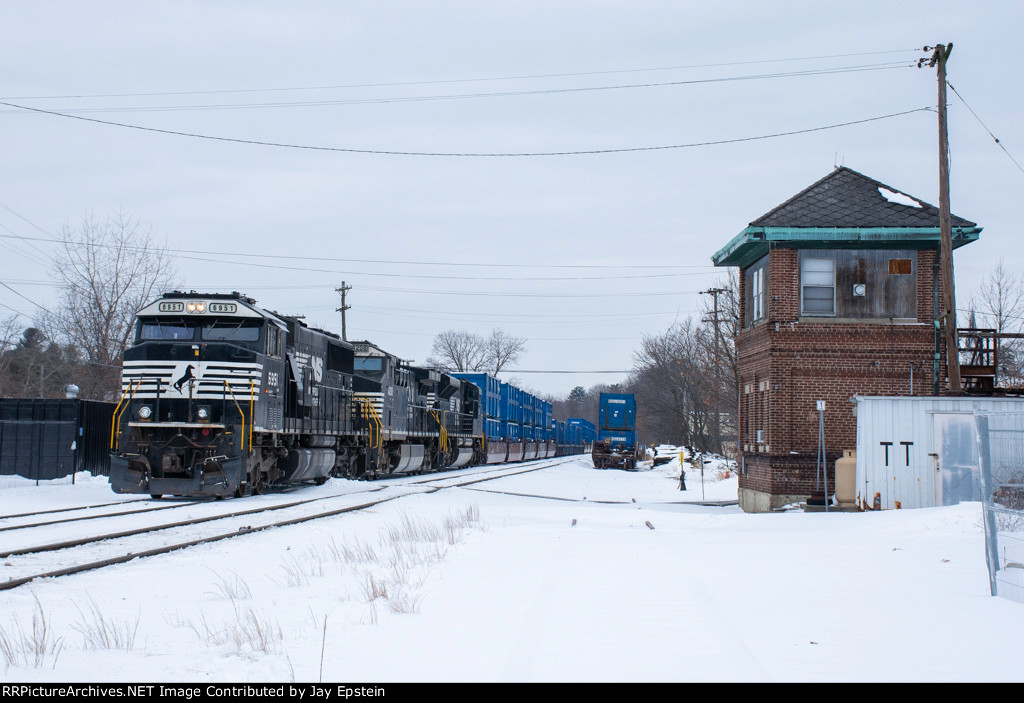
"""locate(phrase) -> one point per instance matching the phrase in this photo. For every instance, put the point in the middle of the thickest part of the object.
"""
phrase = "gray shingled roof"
(845, 198)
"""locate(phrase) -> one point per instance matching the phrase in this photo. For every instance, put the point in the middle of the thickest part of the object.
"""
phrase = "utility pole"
(343, 290)
(938, 59)
(714, 293)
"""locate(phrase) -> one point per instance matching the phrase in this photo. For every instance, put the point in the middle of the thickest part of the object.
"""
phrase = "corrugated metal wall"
(920, 452)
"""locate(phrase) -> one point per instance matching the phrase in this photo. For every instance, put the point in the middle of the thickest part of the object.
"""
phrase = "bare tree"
(502, 349)
(1001, 307)
(8, 340)
(686, 379)
(719, 345)
(106, 272)
(673, 379)
(458, 350)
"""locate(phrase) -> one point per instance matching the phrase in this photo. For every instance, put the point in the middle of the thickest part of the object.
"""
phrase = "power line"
(23, 297)
(179, 253)
(453, 80)
(383, 152)
(530, 339)
(430, 276)
(559, 371)
(996, 139)
(410, 312)
(525, 295)
(16, 312)
(501, 94)
(409, 262)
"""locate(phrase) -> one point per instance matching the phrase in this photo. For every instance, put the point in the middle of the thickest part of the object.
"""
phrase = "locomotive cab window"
(165, 330)
(369, 366)
(274, 339)
(232, 330)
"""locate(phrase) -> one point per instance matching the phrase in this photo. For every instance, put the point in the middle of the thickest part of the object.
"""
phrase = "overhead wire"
(409, 262)
(597, 151)
(385, 152)
(16, 312)
(459, 80)
(23, 297)
(500, 94)
(561, 316)
(998, 142)
(532, 339)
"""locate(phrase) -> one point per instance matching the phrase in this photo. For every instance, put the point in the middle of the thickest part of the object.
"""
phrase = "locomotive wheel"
(156, 496)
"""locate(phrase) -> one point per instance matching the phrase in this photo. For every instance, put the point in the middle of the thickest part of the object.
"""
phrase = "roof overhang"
(754, 242)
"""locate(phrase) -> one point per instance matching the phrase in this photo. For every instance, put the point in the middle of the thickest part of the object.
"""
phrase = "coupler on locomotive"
(179, 460)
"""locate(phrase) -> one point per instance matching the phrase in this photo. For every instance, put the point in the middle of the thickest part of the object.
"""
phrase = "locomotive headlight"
(145, 412)
(196, 306)
(203, 412)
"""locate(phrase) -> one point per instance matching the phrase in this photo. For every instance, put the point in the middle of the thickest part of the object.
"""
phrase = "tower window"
(817, 286)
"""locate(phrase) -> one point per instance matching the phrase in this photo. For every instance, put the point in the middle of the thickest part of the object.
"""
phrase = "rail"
(442, 428)
(115, 420)
(373, 423)
(241, 412)
(252, 400)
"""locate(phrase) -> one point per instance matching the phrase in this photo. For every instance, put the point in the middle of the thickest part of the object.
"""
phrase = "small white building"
(920, 451)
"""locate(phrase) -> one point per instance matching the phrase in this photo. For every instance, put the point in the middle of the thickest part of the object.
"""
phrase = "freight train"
(616, 445)
(223, 398)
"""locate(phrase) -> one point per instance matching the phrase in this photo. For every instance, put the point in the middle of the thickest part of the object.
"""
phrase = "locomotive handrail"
(370, 413)
(115, 420)
(443, 429)
(241, 412)
(252, 387)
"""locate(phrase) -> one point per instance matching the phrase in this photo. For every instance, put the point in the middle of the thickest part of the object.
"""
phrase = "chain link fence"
(1001, 455)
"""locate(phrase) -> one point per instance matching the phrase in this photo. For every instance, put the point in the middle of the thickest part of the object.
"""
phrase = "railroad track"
(77, 507)
(25, 563)
(89, 513)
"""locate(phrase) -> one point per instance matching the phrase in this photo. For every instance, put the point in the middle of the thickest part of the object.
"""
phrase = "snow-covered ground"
(556, 575)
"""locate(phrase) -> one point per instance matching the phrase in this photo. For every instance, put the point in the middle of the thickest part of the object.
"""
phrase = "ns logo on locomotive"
(222, 398)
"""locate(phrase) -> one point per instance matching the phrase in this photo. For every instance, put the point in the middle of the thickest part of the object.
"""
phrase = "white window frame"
(757, 294)
(811, 269)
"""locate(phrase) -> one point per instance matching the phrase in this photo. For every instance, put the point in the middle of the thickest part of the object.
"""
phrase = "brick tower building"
(839, 291)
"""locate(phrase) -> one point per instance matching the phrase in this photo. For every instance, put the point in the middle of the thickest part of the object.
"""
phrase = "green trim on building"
(754, 242)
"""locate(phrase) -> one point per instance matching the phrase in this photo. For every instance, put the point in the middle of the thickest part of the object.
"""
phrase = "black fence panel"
(43, 439)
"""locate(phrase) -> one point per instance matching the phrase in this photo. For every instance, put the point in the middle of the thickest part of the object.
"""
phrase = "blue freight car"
(585, 430)
(515, 422)
(616, 445)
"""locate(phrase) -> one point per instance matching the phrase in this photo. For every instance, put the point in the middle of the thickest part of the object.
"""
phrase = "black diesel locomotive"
(222, 398)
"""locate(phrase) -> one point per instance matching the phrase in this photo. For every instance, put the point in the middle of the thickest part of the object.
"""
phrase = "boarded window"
(900, 266)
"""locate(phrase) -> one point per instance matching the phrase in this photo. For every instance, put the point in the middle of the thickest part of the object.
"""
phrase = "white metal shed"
(920, 451)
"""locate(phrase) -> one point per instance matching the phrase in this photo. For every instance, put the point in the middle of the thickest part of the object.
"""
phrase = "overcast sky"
(595, 250)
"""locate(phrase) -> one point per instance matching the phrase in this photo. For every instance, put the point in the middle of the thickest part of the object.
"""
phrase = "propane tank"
(846, 478)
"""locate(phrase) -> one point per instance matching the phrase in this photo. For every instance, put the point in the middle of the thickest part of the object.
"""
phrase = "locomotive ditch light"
(145, 412)
(203, 413)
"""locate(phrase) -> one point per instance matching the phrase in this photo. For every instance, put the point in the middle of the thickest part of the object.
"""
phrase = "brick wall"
(786, 363)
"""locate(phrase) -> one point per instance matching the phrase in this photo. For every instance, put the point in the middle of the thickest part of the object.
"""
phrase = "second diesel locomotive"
(222, 398)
